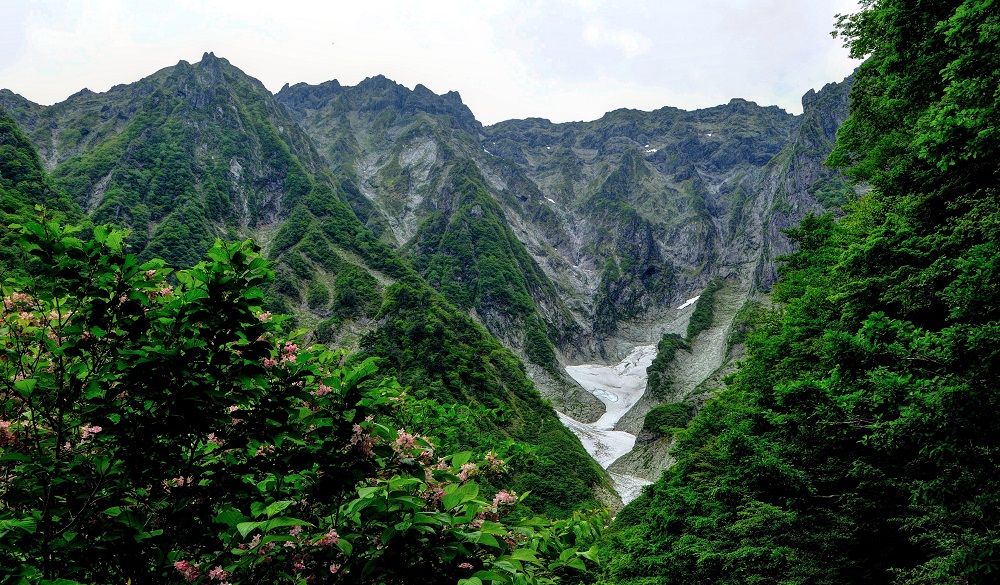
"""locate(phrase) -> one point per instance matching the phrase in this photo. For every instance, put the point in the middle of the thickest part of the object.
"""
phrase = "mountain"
(409, 161)
(199, 151)
(400, 226)
(575, 242)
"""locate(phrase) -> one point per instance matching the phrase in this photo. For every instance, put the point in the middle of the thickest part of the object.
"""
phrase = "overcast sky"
(562, 60)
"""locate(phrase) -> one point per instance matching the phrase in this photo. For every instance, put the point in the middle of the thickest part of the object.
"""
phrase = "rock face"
(621, 217)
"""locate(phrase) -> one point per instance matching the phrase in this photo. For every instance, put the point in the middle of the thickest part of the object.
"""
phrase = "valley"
(352, 334)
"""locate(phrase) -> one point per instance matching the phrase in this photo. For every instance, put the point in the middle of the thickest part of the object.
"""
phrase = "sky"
(558, 59)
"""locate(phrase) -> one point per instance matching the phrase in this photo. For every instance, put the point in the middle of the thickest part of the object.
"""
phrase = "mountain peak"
(377, 93)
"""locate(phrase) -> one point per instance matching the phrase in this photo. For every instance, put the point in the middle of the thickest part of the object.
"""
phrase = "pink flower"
(288, 352)
(89, 431)
(468, 470)
(6, 435)
(362, 441)
(215, 440)
(493, 461)
(329, 539)
(334, 568)
(217, 574)
(187, 570)
(433, 495)
(298, 565)
(465, 566)
(264, 317)
(269, 363)
(323, 390)
(295, 531)
(504, 497)
(405, 441)
(166, 291)
(233, 409)
(150, 274)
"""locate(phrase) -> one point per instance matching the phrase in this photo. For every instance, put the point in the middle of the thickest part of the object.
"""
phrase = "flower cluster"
(405, 442)
(288, 352)
(88, 431)
(218, 574)
(178, 482)
(187, 570)
(467, 471)
(362, 441)
(504, 497)
(17, 301)
(7, 436)
(329, 539)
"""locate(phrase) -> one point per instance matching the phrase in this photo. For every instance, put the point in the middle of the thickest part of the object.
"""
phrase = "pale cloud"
(629, 42)
(566, 60)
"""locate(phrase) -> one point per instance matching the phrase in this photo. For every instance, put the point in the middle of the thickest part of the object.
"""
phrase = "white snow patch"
(548, 148)
(709, 135)
(647, 146)
(487, 152)
(551, 199)
(650, 150)
(688, 302)
(629, 487)
(619, 387)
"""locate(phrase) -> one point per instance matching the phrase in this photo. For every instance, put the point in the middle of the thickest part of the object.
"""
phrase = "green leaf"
(25, 387)
(277, 507)
(229, 516)
(459, 495)
(345, 546)
(245, 528)
(524, 554)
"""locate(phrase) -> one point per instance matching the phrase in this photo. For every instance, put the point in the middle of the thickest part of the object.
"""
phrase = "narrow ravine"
(619, 387)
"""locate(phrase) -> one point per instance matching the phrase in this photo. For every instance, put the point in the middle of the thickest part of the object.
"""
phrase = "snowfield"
(689, 302)
(619, 387)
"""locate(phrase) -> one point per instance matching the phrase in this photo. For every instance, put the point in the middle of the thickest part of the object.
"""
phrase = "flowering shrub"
(159, 433)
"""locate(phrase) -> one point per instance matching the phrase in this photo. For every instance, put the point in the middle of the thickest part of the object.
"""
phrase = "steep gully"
(619, 387)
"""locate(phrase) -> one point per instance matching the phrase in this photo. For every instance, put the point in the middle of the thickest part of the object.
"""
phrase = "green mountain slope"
(205, 151)
(408, 161)
(23, 185)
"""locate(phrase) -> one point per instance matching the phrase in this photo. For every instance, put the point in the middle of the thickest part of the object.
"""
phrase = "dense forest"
(857, 442)
(169, 415)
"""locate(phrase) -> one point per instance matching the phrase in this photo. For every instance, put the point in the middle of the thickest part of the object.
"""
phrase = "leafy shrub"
(158, 433)
(537, 345)
(317, 295)
(658, 380)
(704, 310)
(667, 418)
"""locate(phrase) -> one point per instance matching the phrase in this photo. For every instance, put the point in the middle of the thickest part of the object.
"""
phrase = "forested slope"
(857, 442)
